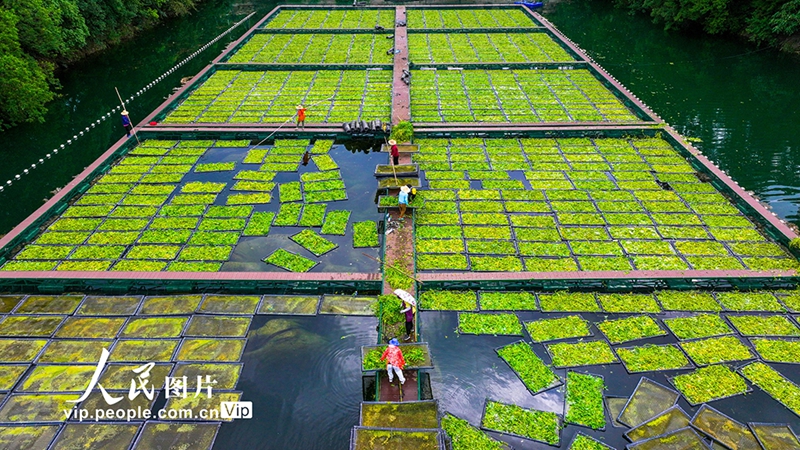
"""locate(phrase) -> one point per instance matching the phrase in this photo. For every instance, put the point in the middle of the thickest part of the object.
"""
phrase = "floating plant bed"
(761, 325)
(409, 414)
(347, 305)
(289, 304)
(36, 408)
(773, 436)
(749, 301)
(630, 329)
(118, 376)
(464, 436)
(533, 372)
(323, 19)
(723, 429)
(666, 422)
(365, 234)
(494, 324)
(164, 434)
(709, 383)
(687, 301)
(568, 302)
(584, 442)
(774, 384)
(218, 326)
(300, 48)
(390, 201)
(716, 350)
(313, 242)
(73, 351)
(449, 301)
(22, 436)
(680, 439)
(135, 350)
(405, 170)
(417, 356)
(87, 435)
(648, 400)
(177, 304)
(508, 301)
(785, 351)
(20, 350)
(221, 350)
(289, 261)
(395, 439)
(577, 354)
(11, 375)
(57, 378)
(524, 423)
(484, 47)
(154, 327)
(90, 327)
(698, 326)
(584, 400)
(544, 330)
(653, 358)
(226, 375)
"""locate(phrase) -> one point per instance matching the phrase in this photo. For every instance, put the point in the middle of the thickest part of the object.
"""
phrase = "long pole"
(124, 109)
(287, 121)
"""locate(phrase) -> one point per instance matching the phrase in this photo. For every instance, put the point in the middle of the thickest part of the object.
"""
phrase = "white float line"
(119, 108)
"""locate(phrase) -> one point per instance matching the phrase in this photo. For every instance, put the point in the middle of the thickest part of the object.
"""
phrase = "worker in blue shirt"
(402, 200)
(126, 123)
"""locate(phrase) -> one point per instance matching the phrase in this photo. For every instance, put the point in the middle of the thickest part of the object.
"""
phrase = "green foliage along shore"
(36, 35)
(772, 22)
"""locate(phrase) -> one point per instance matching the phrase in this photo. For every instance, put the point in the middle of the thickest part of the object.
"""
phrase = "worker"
(395, 152)
(394, 361)
(301, 117)
(412, 193)
(402, 200)
(126, 123)
(409, 308)
(306, 158)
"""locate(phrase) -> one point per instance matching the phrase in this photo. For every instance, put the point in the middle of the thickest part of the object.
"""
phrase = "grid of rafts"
(707, 347)
(484, 48)
(467, 18)
(514, 95)
(232, 96)
(315, 49)
(351, 19)
(50, 347)
(577, 204)
(145, 215)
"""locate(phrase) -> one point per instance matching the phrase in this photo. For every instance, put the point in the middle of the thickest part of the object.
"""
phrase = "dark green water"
(739, 99)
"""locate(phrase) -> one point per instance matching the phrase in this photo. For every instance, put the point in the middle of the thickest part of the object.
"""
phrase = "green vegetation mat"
(544, 330)
(716, 349)
(313, 242)
(449, 300)
(651, 358)
(290, 261)
(758, 325)
(778, 350)
(527, 423)
(709, 383)
(464, 436)
(630, 329)
(584, 400)
(365, 234)
(773, 383)
(495, 324)
(576, 354)
(508, 301)
(530, 368)
(697, 326)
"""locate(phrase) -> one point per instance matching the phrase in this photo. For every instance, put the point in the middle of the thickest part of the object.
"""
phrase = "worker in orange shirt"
(394, 361)
(301, 117)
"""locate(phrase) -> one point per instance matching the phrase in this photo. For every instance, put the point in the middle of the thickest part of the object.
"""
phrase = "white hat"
(392, 142)
(299, 106)
(124, 112)
(405, 189)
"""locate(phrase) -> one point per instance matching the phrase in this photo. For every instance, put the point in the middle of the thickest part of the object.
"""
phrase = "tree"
(24, 83)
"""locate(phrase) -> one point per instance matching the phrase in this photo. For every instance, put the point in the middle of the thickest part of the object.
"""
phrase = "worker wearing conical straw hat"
(402, 200)
(126, 123)
(301, 117)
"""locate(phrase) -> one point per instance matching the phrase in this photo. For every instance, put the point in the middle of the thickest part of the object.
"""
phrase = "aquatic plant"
(630, 328)
(509, 301)
(335, 222)
(758, 325)
(313, 242)
(215, 167)
(716, 349)
(496, 324)
(650, 358)
(464, 436)
(528, 423)
(584, 400)
(773, 383)
(581, 354)
(710, 383)
(290, 261)
(778, 350)
(530, 368)
(697, 326)
(544, 330)
(449, 300)
(365, 234)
